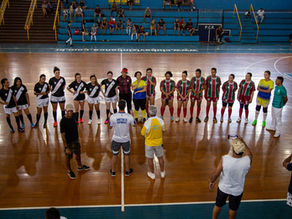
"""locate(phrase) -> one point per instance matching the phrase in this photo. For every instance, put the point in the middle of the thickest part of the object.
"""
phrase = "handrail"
(56, 20)
(29, 18)
(235, 10)
(256, 21)
(2, 10)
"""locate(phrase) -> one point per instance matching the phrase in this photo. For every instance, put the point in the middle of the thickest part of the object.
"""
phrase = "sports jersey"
(57, 86)
(20, 94)
(124, 84)
(7, 96)
(197, 84)
(213, 86)
(152, 130)
(150, 87)
(183, 87)
(141, 85)
(265, 85)
(246, 88)
(279, 94)
(93, 90)
(110, 87)
(167, 86)
(229, 91)
(121, 122)
(38, 88)
(78, 87)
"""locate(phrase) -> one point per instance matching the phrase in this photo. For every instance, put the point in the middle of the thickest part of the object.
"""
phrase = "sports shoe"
(177, 119)
(22, 125)
(206, 119)
(254, 122)
(214, 120)
(55, 124)
(198, 120)
(106, 122)
(113, 173)
(276, 135)
(229, 120)
(128, 173)
(81, 120)
(191, 120)
(98, 121)
(83, 167)
(89, 121)
(20, 129)
(185, 120)
(246, 121)
(238, 120)
(162, 174)
(151, 175)
(71, 175)
(172, 118)
(12, 131)
(221, 120)
(32, 125)
(264, 124)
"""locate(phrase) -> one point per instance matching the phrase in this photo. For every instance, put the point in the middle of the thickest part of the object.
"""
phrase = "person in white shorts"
(41, 90)
(110, 93)
(22, 100)
(9, 103)
(93, 89)
(287, 163)
(153, 130)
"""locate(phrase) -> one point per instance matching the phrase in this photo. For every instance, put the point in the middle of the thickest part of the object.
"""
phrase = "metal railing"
(57, 20)
(256, 21)
(29, 18)
(236, 10)
(3, 6)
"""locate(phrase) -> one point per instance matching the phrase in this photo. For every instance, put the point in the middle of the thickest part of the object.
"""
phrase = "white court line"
(137, 205)
(122, 182)
(275, 67)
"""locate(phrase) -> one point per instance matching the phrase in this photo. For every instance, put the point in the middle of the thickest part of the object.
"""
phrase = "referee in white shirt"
(121, 122)
(232, 170)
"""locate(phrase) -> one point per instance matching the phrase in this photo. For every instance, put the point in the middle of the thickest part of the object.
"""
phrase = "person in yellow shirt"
(153, 130)
(139, 96)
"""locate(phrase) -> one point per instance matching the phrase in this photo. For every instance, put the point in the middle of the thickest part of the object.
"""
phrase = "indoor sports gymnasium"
(145, 109)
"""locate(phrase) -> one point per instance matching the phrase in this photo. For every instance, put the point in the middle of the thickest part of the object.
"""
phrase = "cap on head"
(125, 70)
(238, 146)
(152, 110)
(69, 107)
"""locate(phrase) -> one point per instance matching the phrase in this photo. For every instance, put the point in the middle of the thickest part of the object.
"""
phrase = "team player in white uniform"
(41, 90)
(57, 86)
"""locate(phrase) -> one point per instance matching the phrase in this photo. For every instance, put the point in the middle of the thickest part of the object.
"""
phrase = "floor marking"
(283, 74)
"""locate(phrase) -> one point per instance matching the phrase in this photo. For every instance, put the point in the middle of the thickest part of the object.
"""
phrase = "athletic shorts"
(289, 199)
(74, 148)
(80, 99)
(22, 107)
(244, 100)
(139, 104)
(180, 99)
(151, 150)
(213, 99)
(262, 102)
(42, 102)
(58, 99)
(113, 99)
(93, 100)
(227, 103)
(116, 146)
(234, 201)
(170, 98)
(11, 110)
(194, 98)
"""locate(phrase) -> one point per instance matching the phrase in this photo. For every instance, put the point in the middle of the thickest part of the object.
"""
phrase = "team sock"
(9, 122)
(171, 111)
(144, 113)
(29, 118)
(90, 114)
(17, 121)
(81, 114)
(136, 112)
(55, 116)
(198, 111)
(97, 113)
(178, 111)
(229, 112)
(185, 112)
(46, 117)
(162, 109)
(21, 118)
(63, 113)
(191, 111)
(207, 110)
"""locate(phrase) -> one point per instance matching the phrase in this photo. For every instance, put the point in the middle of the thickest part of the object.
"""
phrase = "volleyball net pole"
(122, 183)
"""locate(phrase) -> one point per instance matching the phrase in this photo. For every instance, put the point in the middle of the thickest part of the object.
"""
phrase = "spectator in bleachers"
(193, 5)
(65, 14)
(141, 32)
(111, 25)
(130, 4)
(182, 26)
(97, 12)
(161, 25)
(98, 25)
(119, 26)
(71, 11)
(247, 14)
(69, 32)
(129, 26)
(50, 8)
(166, 2)
(82, 4)
(114, 8)
(44, 8)
(121, 13)
(74, 4)
(83, 30)
(78, 12)
(147, 13)
(153, 27)
(190, 27)
(219, 34)
(134, 32)
(176, 26)
(103, 25)
(260, 15)
(179, 4)
(93, 32)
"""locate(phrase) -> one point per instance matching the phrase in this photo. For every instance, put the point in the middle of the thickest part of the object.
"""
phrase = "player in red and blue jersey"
(183, 90)
(212, 91)
(229, 88)
(167, 88)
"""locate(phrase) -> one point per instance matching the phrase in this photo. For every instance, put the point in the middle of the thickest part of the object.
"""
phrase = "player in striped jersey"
(229, 88)
(167, 88)
(212, 91)
(183, 91)
(197, 87)
(151, 83)
(245, 95)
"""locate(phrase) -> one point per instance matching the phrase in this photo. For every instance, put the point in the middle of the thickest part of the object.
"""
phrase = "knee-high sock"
(17, 121)
(136, 112)
(222, 111)
(178, 111)
(191, 111)
(214, 110)
(90, 114)
(207, 110)
(144, 113)
(171, 111)
(185, 112)
(229, 112)
(162, 109)
(81, 114)
(107, 112)
(46, 117)
(21, 118)
(29, 118)
(55, 116)
(240, 112)
(9, 122)
(246, 113)
(146, 107)
(198, 111)
(63, 113)
(38, 116)
(98, 114)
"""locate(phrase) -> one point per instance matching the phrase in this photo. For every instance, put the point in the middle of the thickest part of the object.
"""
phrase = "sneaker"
(276, 135)
(185, 120)
(20, 129)
(106, 122)
(221, 120)
(113, 173)
(81, 120)
(214, 120)
(254, 122)
(162, 174)
(191, 120)
(71, 175)
(98, 121)
(177, 119)
(83, 167)
(206, 119)
(264, 124)
(22, 125)
(171, 118)
(32, 125)
(198, 120)
(238, 120)
(12, 131)
(229, 120)
(55, 124)
(246, 121)
(89, 121)
(151, 175)
(129, 173)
